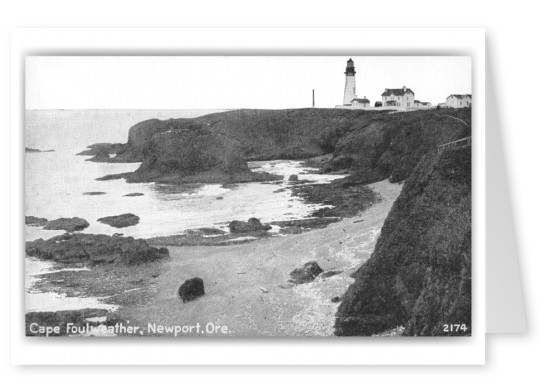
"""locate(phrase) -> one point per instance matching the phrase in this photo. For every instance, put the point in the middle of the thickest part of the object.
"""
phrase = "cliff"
(419, 275)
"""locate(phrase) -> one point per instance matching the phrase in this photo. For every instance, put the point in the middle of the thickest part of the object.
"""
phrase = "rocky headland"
(418, 276)
(372, 145)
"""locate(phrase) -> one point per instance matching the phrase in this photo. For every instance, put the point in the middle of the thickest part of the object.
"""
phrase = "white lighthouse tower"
(350, 85)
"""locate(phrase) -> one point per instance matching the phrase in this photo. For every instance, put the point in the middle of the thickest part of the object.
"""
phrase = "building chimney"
(405, 88)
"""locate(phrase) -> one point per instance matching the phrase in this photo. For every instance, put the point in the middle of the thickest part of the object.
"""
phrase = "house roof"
(460, 96)
(361, 100)
(397, 91)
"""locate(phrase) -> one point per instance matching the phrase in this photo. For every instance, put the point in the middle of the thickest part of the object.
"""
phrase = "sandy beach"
(246, 284)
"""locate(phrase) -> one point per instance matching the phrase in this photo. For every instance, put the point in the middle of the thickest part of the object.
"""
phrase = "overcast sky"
(232, 82)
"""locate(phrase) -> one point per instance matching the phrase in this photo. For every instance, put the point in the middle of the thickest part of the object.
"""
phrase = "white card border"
(232, 41)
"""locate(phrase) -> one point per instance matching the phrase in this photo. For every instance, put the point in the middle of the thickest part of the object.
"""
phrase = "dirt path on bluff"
(246, 285)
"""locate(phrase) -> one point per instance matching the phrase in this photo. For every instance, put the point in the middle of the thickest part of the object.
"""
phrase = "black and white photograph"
(248, 196)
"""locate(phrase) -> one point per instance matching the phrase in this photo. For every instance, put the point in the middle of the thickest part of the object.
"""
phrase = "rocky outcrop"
(293, 178)
(93, 193)
(133, 195)
(191, 289)
(195, 154)
(68, 224)
(102, 152)
(391, 145)
(419, 275)
(94, 249)
(214, 148)
(35, 150)
(120, 221)
(35, 221)
(110, 177)
(252, 225)
(306, 273)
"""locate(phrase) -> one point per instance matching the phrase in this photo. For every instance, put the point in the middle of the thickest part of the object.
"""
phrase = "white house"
(399, 97)
(458, 101)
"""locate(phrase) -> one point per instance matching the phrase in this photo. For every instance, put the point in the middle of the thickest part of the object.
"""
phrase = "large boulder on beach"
(252, 225)
(35, 221)
(120, 221)
(191, 289)
(68, 224)
(88, 249)
(306, 273)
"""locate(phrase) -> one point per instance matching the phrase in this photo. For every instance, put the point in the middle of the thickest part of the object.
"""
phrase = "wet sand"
(246, 284)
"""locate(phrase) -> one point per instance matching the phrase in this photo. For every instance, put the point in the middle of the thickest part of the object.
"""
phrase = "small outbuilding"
(418, 103)
(360, 103)
(459, 101)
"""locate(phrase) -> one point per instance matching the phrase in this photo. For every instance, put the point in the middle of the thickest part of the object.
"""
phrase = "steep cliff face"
(419, 275)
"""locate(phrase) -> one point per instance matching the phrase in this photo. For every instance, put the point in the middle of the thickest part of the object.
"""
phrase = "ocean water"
(55, 183)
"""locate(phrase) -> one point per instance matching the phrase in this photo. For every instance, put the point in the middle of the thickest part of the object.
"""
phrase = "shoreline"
(246, 284)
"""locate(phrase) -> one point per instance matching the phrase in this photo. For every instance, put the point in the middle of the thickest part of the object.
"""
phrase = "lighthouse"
(350, 84)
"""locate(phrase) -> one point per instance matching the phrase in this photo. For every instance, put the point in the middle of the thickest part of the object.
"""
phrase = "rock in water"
(252, 225)
(35, 150)
(68, 224)
(94, 249)
(35, 221)
(133, 195)
(307, 273)
(120, 221)
(293, 178)
(191, 289)
(94, 193)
